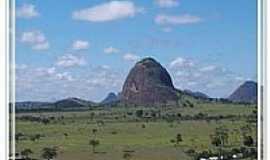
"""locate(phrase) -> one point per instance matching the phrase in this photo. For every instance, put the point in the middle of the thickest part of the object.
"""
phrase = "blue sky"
(85, 49)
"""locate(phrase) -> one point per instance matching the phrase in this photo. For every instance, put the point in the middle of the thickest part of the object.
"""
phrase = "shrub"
(139, 113)
(49, 153)
(143, 126)
(26, 152)
(190, 152)
(248, 141)
(127, 156)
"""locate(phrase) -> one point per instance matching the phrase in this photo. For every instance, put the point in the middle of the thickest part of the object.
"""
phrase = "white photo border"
(7, 8)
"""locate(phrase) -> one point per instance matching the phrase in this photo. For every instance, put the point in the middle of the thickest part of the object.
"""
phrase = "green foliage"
(127, 156)
(49, 153)
(220, 138)
(26, 152)
(178, 138)
(139, 113)
(151, 142)
(94, 143)
(248, 141)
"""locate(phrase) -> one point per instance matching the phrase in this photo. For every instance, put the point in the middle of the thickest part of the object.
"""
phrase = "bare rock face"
(148, 83)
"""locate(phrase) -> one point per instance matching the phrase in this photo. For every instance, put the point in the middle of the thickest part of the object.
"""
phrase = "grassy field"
(120, 131)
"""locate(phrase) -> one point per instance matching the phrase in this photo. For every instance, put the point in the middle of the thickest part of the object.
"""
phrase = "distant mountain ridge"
(196, 94)
(110, 99)
(61, 104)
(32, 104)
(147, 84)
(73, 102)
(246, 93)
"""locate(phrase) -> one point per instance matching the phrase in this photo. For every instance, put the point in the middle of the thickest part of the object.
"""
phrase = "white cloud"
(105, 67)
(54, 83)
(35, 39)
(164, 19)
(181, 62)
(80, 45)
(51, 73)
(64, 76)
(70, 60)
(213, 80)
(51, 70)
(41, 46)
(131, 57)
(109, 11)
(27, 11)
(167, 3)
(43, 71)
(208, 68)
(111, 50)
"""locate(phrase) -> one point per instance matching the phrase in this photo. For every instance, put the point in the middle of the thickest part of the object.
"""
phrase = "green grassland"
(145, 137)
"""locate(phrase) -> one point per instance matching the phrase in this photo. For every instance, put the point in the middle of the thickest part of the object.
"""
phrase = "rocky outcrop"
(148, 83)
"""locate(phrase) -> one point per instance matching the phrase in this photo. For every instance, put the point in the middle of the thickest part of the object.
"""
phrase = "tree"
(66, 135)
(248, 141)
(127, 156)
(143, 126)
(215, 140)
(94, 143)
(178, 138)
(220, 138)
(35, 137)
(139, 113)
(26, 152)
(49, 153)
(246, 134)
(94, 132)
(18, 136)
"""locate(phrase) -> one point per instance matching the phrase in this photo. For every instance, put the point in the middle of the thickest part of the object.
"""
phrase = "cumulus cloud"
(33, 37)
(167, 3)
(27, 11)
(64, 76)
(181, 62)
(104, 76)
(109, 11)
(43, 71)
(213, 80)
(70, 60)
(80, 45)
(41, 46)
(208, 68)
(111, 50)
(36, 39)
(164, 19)
(52, 83)
(131, 57)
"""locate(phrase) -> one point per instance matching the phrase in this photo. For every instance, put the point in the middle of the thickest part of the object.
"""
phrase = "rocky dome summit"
(149, 83)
